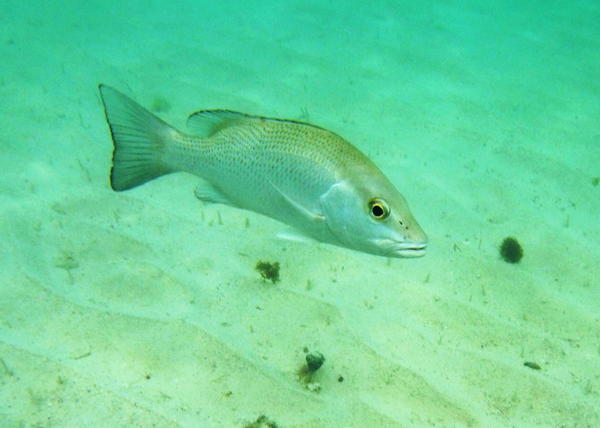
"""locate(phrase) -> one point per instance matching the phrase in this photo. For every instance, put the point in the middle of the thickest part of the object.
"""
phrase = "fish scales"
(301, 159)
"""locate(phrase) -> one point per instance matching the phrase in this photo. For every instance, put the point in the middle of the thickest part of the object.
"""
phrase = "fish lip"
(402, 248)
(410, 253)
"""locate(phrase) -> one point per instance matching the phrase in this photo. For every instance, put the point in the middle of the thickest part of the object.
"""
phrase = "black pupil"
(377, 210)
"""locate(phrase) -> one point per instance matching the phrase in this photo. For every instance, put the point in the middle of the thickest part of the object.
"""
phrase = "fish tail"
(139, 139)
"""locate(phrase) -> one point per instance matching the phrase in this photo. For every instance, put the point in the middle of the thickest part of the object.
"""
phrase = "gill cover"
(347, 216)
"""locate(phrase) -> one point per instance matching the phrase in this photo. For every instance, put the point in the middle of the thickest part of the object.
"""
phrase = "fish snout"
(391, 248)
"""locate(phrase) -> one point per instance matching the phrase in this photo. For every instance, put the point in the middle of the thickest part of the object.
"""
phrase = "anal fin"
(295, 236)
(208, 193)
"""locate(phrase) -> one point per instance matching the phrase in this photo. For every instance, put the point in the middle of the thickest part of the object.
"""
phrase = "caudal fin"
(139, 139)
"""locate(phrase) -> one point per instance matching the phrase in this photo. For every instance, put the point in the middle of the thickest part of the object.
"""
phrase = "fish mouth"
(402, 248)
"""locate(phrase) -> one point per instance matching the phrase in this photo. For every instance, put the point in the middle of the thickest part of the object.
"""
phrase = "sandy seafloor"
(143, 308)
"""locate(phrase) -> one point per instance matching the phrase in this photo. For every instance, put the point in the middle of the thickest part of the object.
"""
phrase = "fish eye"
(378, 209)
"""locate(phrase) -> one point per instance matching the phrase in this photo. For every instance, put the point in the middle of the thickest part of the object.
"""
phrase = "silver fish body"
(297, 173)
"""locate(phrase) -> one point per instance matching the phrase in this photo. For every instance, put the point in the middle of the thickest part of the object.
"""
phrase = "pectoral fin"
(304, 211)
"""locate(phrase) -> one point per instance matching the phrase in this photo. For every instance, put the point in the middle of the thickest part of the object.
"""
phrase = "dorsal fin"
(208, 122)
(205, 123)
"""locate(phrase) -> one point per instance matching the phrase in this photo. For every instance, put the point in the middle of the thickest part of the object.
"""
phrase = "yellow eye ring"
(378, 209)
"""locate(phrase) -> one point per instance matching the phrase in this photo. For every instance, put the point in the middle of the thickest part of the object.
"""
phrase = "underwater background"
(144, 308)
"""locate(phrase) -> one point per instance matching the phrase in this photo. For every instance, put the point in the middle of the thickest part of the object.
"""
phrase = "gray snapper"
(297, 173)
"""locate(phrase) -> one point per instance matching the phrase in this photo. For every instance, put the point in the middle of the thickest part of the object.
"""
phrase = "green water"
(144, 308)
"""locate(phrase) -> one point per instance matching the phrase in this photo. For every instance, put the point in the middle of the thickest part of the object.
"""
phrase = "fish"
(310, 179)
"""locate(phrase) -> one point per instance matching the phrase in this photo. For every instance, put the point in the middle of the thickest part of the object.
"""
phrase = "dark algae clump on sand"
(262, 422)
(510, 250)
(269, 271)
(314, 361)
